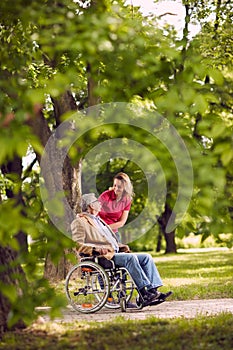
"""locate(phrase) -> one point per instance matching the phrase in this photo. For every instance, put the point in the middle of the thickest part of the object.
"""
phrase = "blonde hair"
(128, 187)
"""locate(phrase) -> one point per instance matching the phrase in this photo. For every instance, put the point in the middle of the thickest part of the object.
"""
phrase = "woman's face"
(118, 187)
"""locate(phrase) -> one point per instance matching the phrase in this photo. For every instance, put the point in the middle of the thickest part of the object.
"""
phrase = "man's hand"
(102, 251)
(127, 249)
(124, 248)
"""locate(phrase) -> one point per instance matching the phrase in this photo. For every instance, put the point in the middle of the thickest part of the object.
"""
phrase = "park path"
(168, 309)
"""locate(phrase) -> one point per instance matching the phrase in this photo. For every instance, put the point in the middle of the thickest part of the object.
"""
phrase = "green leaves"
(10, 223)
(15, 140)
(216, 75)
(227, 155)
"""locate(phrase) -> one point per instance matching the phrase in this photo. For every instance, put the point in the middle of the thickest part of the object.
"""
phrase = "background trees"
(58, 57)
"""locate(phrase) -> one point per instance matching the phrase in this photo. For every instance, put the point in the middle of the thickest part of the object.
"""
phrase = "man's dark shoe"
(164, 296)
(148, 298)
(161, 299)
(152, 290)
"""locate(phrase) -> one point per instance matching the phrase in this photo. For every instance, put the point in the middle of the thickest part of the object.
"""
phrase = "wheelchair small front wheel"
(139, 302)
(123, 304)
(87, 287)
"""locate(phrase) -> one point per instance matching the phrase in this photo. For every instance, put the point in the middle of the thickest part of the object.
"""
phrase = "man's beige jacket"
(87, 236)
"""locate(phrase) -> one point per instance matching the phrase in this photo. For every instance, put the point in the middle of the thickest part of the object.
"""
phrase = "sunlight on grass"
(60, 328)
(188, 281)
(177, 282)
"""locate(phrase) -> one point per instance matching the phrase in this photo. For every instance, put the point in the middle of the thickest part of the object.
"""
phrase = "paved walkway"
(168, 309)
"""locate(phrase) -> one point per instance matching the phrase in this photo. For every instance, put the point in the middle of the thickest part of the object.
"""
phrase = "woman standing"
(116, 202)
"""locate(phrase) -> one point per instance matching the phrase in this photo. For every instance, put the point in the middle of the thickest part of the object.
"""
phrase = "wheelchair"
(96, 282)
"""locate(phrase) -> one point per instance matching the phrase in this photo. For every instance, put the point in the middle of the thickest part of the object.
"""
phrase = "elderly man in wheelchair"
(108, 274)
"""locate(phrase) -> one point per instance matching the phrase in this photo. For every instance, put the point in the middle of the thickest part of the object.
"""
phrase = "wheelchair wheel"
(87, 287)
(121, 289)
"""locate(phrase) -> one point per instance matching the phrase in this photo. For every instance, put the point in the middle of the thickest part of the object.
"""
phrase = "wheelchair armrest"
(83, 255)
(86, 257)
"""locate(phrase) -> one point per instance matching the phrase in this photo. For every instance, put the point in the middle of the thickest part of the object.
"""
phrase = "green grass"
(201, 333)
(191, 275)
(199, 275)
(205, 274)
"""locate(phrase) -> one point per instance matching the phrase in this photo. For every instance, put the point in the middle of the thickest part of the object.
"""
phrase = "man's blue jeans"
(141, 268)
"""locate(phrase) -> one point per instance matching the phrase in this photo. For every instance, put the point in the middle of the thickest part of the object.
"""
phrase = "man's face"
(96, 206)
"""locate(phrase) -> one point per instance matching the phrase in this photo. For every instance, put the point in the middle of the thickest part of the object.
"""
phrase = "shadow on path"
(168, 309)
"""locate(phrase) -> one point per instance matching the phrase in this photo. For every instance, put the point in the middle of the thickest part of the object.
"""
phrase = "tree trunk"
(69, 176)
(91, 84)
(159, 241)
(57, 272)
(169, 237)
(8, 278)
(14, 168)
(217, 17)
(170, 242)
(8, 257)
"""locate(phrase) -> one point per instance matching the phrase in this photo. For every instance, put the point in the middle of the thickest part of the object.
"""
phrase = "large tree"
(58, 57)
